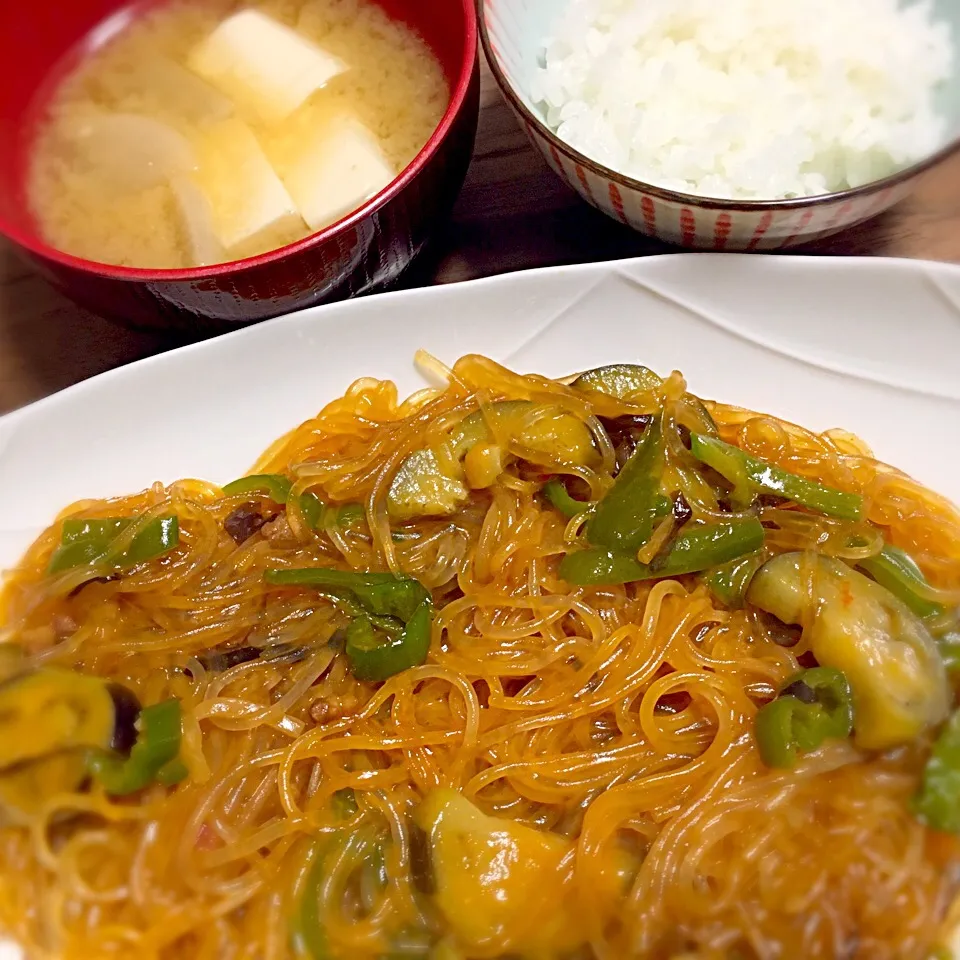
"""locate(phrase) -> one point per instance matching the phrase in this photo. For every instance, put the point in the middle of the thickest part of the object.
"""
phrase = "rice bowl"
(513, 32)
(747, 100)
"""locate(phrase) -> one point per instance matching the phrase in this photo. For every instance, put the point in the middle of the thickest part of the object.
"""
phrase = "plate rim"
(320, 313)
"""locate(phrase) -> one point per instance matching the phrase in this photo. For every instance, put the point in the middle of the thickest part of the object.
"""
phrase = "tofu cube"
(263, 65)
(249, 205)
(340, 167)
(196, 223)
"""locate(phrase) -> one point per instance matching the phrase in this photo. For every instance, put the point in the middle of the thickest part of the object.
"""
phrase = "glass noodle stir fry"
(515, 668)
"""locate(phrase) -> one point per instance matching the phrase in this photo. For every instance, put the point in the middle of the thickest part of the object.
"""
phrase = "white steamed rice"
(749, 99)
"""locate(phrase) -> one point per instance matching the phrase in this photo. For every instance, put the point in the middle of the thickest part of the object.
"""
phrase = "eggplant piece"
(620, 380)
(887, 654)
(23, 787)
(50, 711)
(554, 436)
(50, 720)
(496, 877)
(432, 482)
(12, 661)
(422, 489)
(623, 380)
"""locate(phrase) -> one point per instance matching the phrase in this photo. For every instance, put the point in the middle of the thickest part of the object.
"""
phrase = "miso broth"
(205, 131)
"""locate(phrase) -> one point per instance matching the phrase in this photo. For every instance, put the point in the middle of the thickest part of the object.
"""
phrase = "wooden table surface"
(513, 214)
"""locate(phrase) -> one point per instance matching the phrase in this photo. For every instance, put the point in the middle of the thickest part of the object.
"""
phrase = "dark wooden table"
(513, 214)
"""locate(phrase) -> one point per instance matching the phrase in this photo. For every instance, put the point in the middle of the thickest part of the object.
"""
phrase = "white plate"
(870, 345)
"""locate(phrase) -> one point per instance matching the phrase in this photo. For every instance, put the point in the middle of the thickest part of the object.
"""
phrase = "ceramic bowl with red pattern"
(512, 33)
(365, 250)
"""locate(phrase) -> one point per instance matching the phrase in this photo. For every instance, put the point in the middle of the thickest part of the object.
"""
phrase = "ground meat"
(320, 711)
(244, 522)
(327, 711)
(277, 529)
(64, 626)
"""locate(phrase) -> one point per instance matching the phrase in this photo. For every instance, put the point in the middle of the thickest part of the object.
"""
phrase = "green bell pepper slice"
(377, 651)
(154, 756)
(775, 733)
(383, 594)
(557, 494)
(896, 570)
(730, 582)
(344, 804)
(949, 645)
(172, 773)
(698, 548)
(313, 510)
(348, 514)
(319, 514)
(308, 931)
(277, 487)
(272, 485)
(661, 506)
(708, 424)
(937, 803)
(624, 517)
(814, 706)
(750, 475)
(392, 616)
(90, 542)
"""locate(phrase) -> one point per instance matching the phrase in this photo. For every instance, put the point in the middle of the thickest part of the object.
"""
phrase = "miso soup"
(208, 131)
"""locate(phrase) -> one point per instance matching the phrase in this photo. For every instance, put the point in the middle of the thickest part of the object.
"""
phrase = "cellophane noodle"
(619, 717)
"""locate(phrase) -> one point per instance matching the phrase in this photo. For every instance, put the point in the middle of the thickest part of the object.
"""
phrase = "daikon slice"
(340, 166)
(169, 88)
(130, 151)
(250, 207)
(196, 219)
(263, 65)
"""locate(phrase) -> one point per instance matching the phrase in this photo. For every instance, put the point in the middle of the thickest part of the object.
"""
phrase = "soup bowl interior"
(39, 45)
(514, 32)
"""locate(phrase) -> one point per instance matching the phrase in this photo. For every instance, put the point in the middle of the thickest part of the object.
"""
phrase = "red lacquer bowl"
(367, 249)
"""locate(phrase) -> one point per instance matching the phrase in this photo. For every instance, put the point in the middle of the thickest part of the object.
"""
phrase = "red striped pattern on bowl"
(511, 31)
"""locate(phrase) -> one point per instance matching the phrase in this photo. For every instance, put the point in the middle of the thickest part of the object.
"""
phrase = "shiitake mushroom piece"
(218, 661)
